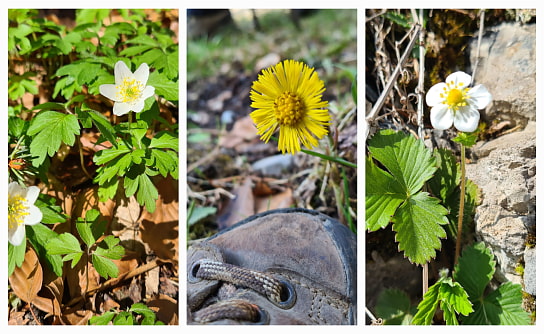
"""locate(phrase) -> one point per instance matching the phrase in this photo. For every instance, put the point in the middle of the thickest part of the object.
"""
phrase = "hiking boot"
(286, 266)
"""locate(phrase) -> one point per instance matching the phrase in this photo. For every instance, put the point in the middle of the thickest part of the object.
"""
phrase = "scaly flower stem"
(333, 159)
(461, 206)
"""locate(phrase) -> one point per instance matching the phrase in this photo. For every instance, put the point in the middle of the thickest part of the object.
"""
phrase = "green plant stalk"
(461, 206)
(333, 159)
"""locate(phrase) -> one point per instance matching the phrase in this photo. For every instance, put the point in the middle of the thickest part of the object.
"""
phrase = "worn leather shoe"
(286, 266)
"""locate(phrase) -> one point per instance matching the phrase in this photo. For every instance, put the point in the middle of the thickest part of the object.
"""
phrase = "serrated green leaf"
(51, 213)
(137, 180)
(104, 156)
(39, 235)
(110, 248)
(448, 175)
(17, 126)
(450, 317)
(417, 223)
(164, 86)
(16, 256)
(65, 244)
(453, 294)
(123, 319)
(104, 266)
(427, 307)
(50, 129)
(406, 158)
(102, 320)
(500, 307)
(85, 232)
(163, 161)
(382, 198)
(165, 139)
(474, 270)
(148, 315)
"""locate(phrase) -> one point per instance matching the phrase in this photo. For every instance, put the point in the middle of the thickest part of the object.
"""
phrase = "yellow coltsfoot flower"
(129, 91)
(21, 211)
(288, 96)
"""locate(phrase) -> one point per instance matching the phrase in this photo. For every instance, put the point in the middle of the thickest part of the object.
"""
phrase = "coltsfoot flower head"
(288, 96)
(129, 91)
(453, 102)
(21, 211)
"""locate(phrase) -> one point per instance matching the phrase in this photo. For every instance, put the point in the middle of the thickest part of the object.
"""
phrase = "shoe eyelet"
(192, 278)
(288, 296)
(264, 319)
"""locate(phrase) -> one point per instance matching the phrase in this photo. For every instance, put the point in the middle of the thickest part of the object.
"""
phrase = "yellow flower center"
(455, 96)
(17, 210)
(130, 90)
(289, 108)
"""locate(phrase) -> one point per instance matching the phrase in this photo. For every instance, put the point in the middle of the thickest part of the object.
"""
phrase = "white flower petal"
(17, 235)
(148, 91)
(138, 106)
(14, 189)
(120, 108)
(108, 90)
(441, 117)
(32, 194)
(466, 119)
(121, 71)
(433, 95)
(34, 215)
(459, 78)
(479, 96)
(142, 73)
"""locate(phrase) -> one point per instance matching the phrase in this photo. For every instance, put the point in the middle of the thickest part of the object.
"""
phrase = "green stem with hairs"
(461, 206)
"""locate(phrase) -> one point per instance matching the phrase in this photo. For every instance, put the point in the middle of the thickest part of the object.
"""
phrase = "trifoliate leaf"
(65, 244)
(452, 294)
(417, 223)
(109, 249)
(50, 129)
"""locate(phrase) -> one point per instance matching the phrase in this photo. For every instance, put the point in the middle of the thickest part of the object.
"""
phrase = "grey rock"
(274, 165)
(505, 171)
(529, 275)
(507, 68)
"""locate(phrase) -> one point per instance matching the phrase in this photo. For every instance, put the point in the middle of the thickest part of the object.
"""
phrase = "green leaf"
(427, 307)
(406, 158)
(39, 235)
(448, 175)
(417, 225)
(475, 270)
(16, 256)
(110, 248)
(123, 319)
(500, 307)
(136, 179)
(51, 213)
(104, 266)
(382, 198)
(164, 86)
(394, 307)
(102, 320)
(103, 156)
(103, 125)
(65, 244)
(164, 161)
(142, 309)
(165, 139)
(453, 294)
(50, 129)
(199, 213)
(467, 139)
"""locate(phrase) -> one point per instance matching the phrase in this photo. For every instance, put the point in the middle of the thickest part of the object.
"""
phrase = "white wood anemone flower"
(129, 91)
(453, 102)
(21, 211)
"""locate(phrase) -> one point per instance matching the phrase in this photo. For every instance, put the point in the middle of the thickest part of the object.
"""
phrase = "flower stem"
(461, 206)
(327, 157)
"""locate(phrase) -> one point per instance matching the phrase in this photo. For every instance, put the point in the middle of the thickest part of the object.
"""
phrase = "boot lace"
(277, 291)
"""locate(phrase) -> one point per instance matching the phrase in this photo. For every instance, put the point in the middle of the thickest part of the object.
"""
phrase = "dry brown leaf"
(280, 200)
(159, 230)
(17, 318)
(241, 207)
(50, 297)
(152, 281)
(242, 133)
(166, 309)
(76, 316)
(26, 281)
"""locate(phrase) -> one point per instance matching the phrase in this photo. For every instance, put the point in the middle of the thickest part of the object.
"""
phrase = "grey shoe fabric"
(286, 266)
